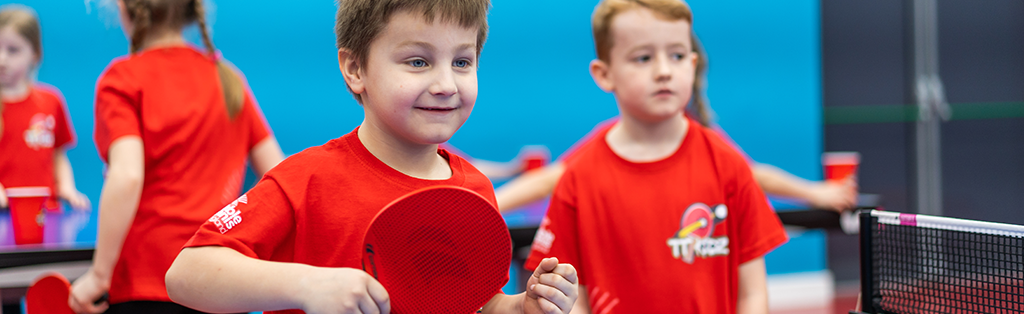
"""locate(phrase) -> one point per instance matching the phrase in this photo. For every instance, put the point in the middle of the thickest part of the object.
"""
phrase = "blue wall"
(534, 85)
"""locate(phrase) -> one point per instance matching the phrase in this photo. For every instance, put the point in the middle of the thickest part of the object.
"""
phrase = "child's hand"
(552, 289)
(86, 290)
(343, 290)
(3, 197)
(77, 200)
(836, 196)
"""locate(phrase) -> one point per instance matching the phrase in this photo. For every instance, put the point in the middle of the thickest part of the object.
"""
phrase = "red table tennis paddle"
(441, 249)
(48, 295)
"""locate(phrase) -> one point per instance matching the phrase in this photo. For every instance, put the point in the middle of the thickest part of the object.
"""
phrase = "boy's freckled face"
(652, 64)
(420, 78)
(16, 57)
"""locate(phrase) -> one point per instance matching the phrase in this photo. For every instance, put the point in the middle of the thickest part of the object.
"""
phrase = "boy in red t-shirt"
(294, 242)
(658, 214)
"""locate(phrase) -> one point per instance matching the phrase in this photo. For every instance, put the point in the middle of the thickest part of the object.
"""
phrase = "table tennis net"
(928, 264)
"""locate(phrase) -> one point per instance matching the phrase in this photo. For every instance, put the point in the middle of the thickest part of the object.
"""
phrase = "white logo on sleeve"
(542, 241)
(229, 217)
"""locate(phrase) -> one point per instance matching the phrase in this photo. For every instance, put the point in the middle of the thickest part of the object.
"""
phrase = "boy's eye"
(418, 63)
(461, 63)
(678, 56)
(642, 59)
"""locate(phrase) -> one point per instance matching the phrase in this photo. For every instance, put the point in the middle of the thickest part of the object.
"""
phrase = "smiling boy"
(297, 242)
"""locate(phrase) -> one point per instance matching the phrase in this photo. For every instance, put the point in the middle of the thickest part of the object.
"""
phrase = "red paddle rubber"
(48, 295)
(441, 249)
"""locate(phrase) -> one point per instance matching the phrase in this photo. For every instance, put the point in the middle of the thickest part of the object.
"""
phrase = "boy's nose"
(662, 70)
(444, 84)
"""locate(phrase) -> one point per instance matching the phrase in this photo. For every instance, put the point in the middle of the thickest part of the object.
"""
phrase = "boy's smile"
(651, 65)
(419, 80)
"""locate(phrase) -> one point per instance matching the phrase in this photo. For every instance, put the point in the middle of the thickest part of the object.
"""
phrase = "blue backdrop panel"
(534, 85)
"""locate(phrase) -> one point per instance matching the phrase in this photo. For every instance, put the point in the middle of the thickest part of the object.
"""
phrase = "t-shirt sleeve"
(64, 131)
(760, 228)
(717, 130)
(569, 155)
(117, 109)
(255, 122)
(558, 233)
(256, 224)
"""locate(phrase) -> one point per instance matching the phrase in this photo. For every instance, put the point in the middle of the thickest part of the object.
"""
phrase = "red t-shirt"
(605, 125)
(658, 237)
(195, 155)
(314, 207)
(32, 129)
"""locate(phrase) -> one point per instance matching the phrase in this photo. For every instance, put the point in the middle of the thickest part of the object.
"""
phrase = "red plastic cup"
(535, 156)
(840, 165)
(27, 219)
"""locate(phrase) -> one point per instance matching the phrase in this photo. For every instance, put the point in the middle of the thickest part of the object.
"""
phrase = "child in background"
(534, 185)
(296, 244)
(35, 131)
(537, 184)
(175, 125)
(658, 213)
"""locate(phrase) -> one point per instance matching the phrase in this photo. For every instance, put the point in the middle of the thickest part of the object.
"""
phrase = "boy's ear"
(351, 69)
(599, 70)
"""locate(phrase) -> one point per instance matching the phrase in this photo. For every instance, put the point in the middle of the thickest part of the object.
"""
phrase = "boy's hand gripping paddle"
(441, 249)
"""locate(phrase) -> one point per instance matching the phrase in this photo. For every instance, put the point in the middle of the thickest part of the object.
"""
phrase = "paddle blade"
(48, 295)
(441, 249)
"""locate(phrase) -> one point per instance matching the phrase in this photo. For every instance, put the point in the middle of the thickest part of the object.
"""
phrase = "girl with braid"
(175, 125)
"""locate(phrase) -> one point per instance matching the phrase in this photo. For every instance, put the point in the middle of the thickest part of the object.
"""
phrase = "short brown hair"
(672, 10)
(358, 22)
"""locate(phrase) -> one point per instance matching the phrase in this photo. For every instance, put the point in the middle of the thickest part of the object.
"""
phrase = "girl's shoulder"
(47, 93)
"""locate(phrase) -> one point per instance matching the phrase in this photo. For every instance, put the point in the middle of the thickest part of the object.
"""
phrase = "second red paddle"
(441, 249)
(48, 295)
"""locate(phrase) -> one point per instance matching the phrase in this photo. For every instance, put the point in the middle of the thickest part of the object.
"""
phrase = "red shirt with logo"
(195, 155)
(658, 237)
(32, 129)
(314, 207)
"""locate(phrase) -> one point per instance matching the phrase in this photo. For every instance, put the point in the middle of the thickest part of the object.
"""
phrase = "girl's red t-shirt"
(195, 155)
(32, 129)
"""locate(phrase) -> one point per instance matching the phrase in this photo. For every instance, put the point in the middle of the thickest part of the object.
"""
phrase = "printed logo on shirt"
(40, 131)
(229, 217)
(694, 236)
(542, 241)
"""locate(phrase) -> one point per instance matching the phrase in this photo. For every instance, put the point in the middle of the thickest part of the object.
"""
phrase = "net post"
(866, 263)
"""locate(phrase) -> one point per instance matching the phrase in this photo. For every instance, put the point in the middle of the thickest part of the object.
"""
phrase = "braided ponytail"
(147, 15)
(139, 13)
(700, 109)
(230, 83)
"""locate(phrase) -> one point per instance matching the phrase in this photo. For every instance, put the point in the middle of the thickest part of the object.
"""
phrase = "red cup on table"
(534, 156)
(840, 165)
